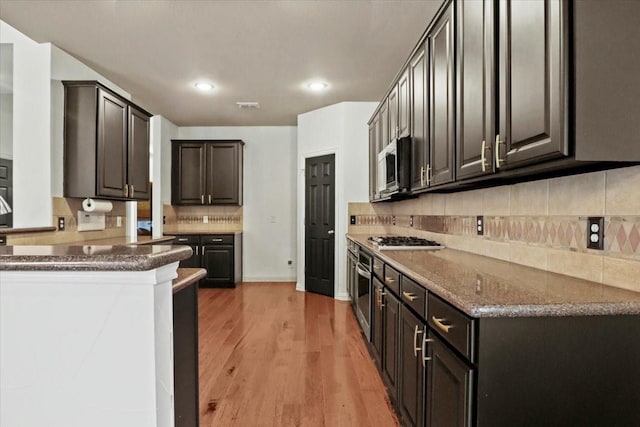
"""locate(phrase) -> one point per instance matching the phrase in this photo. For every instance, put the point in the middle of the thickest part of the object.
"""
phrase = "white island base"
(86, 348)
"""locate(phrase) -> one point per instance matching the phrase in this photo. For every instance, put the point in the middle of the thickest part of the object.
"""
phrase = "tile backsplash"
(542, 224)
(186, 219)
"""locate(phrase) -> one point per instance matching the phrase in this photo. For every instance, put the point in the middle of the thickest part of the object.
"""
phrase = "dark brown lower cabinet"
(185, 356)
(412, 369)
(220, 255)
(376, 320)
(390, 332)
(449, 387)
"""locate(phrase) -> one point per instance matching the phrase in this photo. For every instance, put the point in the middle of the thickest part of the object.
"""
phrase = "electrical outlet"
(352, 220)
(118, 221)
(595, 232)
(393, 219)
(290, 264)
(480, 225)
(3, 240)
(205, 219)
(410, 220)
(60, 223)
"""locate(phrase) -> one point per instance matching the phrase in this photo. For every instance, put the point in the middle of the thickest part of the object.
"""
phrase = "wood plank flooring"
(271, 356)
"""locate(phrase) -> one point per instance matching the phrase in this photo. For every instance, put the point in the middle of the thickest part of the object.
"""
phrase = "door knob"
(330, 232)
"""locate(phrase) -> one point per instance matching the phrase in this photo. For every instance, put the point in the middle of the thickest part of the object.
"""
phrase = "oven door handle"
(364, 273)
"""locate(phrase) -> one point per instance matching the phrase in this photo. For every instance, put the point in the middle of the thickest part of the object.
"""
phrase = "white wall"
(162, 132)
(269, 207)
(340, 129)
(31, 130)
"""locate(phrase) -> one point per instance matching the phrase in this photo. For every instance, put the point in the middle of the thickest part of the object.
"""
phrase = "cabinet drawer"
(452, 325)
(392, 279)
(226, 239)
(378, 268)
(186, 240)
(414, 295)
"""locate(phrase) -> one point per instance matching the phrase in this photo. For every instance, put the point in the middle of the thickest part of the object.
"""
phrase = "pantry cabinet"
(106, 144)
(206, 172)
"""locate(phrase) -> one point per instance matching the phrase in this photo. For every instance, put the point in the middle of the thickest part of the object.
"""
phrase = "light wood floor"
(271, 356)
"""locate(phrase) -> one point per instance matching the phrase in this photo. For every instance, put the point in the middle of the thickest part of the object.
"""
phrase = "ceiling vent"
(248, 105)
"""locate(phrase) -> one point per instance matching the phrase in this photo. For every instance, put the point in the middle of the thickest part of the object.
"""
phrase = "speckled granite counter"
(90, 257)
(187, 277)
(486, 287)
(141, 240)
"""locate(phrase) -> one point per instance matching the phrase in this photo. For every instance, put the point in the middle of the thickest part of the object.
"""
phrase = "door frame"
(340, 263)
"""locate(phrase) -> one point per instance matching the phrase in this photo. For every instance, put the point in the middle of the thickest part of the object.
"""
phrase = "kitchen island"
(86, 335)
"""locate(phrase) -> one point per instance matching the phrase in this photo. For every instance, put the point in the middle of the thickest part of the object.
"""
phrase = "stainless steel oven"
(363, 292)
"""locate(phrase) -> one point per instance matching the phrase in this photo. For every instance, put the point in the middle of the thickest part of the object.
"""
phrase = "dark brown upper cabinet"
(404, 107)
(106, 144)
(475, 88)
(393, 115)
(419, 121)
(532, 82)
(442, 100)
(374, 126)
(383, 134)
(206, 172)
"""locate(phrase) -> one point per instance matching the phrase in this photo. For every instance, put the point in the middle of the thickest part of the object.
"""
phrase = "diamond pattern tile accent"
(634, 238)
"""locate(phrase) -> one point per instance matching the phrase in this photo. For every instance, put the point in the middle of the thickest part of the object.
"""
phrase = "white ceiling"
(264, 51)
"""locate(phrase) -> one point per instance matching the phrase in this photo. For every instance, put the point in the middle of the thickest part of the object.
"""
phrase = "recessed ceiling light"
(204, 86)
(317, 86)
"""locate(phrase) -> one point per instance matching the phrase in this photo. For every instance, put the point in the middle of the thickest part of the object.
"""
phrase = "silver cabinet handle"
(182, 240)
(415, 341)
(216, 240)
(209, 198)
(202, 198)
(131, 191)
(425, 358)
(410, 296)
(330, 232)
(498, 159)
(126, 190)
(483, 156)
(197, 250)
(444, 328)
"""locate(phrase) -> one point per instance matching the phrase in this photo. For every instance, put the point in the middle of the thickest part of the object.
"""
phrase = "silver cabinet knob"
(330, 232)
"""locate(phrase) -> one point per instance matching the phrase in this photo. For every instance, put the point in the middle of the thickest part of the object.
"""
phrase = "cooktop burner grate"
(402, 242)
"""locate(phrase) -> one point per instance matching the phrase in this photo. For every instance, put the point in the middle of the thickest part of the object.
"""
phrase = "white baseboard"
(269, 279)
(342, 297)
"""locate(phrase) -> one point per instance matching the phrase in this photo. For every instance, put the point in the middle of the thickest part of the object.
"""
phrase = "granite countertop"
(187, 277)
(90, 257)
(142, 240)
(486, 287)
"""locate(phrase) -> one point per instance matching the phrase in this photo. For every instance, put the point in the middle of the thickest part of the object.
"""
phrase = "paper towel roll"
(90, 205)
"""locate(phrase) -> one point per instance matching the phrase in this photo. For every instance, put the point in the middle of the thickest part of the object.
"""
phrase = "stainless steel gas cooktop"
(403, 243)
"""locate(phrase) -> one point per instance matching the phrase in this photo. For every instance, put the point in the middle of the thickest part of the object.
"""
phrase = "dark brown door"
(218, 260)
(223, 175)
(112, 145)
(6, 190)
(320, 224)
(376, 320)
(419, 118)
(442, 100)
(412, 370)
(449, 387)
(391, 329)
(532, 83)
(188, 172)
(138, 160)
(404, 108)
(475, 88)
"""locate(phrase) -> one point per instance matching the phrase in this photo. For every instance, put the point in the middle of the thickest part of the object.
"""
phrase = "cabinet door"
(441, 102)
(376, 320)
(112, 146)
(138, 155)
(419, 118)
(449, 387)
(412, 369)
(188, 173)
(383, 134)
(393, 115)
(475, 88)
(223, 173)
(532, 89)
(373, 157)
(391, 319)
(404, 109)
(218, 260)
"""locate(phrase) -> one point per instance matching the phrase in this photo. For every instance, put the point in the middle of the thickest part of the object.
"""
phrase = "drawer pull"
(415, 341)
(377, 267)
(410, 296)
(216, 240)
(444, 328)
(389, 279)
(183, 240)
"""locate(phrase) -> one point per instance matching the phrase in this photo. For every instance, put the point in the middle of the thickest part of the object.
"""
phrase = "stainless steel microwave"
(394, 167)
